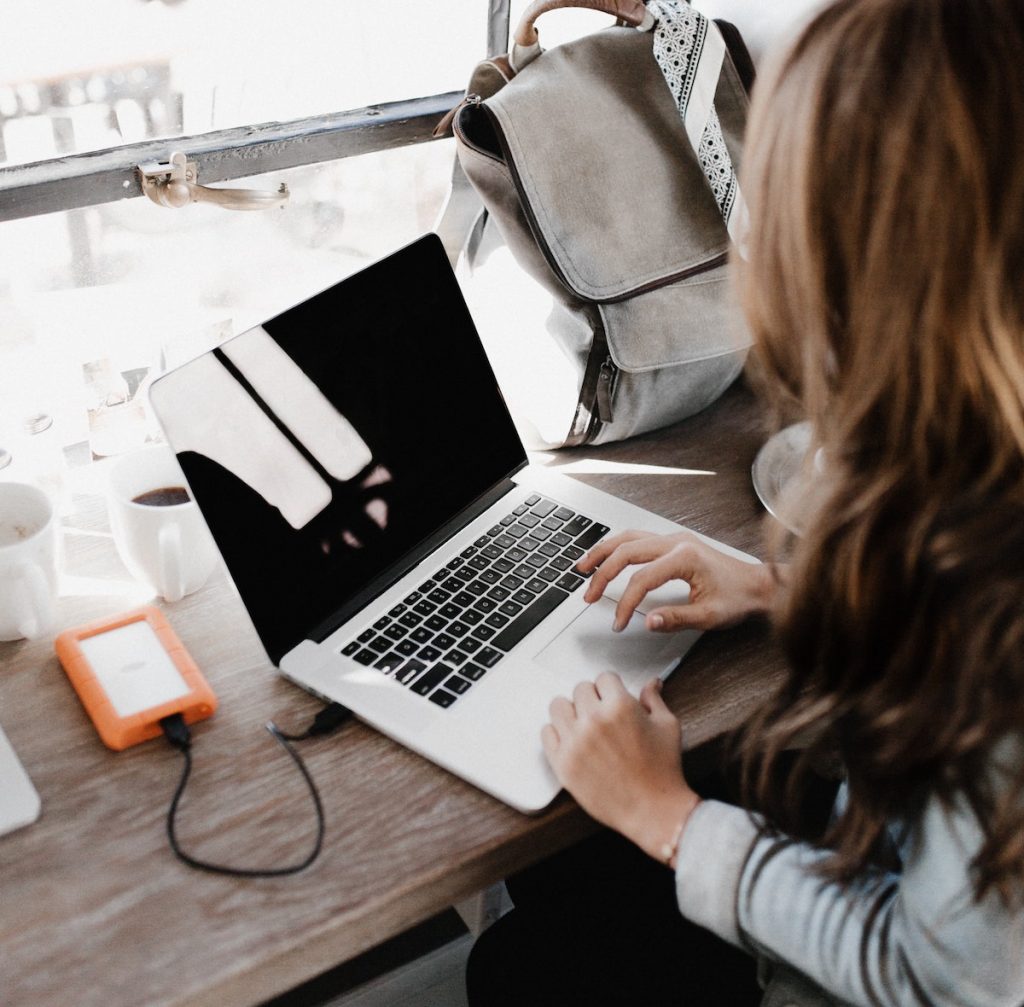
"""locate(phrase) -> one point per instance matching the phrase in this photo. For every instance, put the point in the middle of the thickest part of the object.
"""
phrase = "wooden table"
(94, 909)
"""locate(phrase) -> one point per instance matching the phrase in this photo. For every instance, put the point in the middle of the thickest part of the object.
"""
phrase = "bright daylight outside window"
(96, 298)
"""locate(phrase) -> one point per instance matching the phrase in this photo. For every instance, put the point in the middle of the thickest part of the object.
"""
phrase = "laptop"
(374, 505)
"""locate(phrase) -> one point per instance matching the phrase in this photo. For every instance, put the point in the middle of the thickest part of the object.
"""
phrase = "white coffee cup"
(28, 561)
(166, 546)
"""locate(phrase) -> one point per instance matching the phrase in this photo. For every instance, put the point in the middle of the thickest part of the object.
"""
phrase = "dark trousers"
(598, 925)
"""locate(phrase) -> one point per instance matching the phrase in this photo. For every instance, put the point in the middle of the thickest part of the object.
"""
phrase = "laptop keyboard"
(470, 613)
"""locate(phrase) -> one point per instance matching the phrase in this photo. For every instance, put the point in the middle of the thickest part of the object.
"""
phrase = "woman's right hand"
(723, 590)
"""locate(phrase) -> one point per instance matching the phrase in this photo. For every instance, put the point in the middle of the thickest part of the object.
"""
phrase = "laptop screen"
(328, 443)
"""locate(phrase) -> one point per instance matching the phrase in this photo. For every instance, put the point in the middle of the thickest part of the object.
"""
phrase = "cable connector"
(328, 719)
(176, 731)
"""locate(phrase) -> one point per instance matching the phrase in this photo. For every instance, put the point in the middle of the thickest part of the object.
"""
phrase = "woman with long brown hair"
(884, 285)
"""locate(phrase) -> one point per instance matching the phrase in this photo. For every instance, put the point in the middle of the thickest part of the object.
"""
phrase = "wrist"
(661, 828)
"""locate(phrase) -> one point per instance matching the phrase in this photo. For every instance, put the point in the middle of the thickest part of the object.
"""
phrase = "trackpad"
(587, 646)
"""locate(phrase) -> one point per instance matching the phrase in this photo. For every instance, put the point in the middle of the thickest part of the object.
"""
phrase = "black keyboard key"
(491, 552)
(529, 520)
(495, 531)
(410, 620)
(503, 565)
(488, 657)
(382, 623)
(407, 647)
(447, 611)
(560, 538)
(497, 620)
(429, 654)
(486, 605)
(478, 587)
(430, 678)
(468, 551)
(517, 530)
(536, 586)
(549, 575)
(427, 586)
(456, 563)
(529, 543)
(409, 671)
(511, 582)
(483, 632)
(469, 645)
(471, 616)
(454, 584)
(577, 525)
(543, 508)
(424, 607)
(463, 600)
(481, 542)
(456, 657)
(443, 641)
(569, 581)
(390, 662)
(490, 576)
(521, 509)
(381, 644)
(540, 533)
(435, 622)
(507, 520)
(591, 536)
(537, 561)
(457, 684)
(532, 499)
(396, 611)
(564, 514)
(396, 632)
(510, 608)
(573, 552)
(504, 542)
(561, 563)
(421, 635)
(498, 593)
(523, 571)
(458, 629)
(439, 597)
(515, 554)
(548, 549)
(523, 597)
(442, 697)
(413, 598)
(366, 657)
(351, 648)
(552, 523)
(367, 634)
(529, 619)
(480, 562)
(473, 671)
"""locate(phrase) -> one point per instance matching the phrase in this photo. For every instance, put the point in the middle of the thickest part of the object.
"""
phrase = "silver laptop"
(361, 475)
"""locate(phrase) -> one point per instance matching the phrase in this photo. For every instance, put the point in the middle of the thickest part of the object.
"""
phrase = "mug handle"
(33, 605)
(172, 574)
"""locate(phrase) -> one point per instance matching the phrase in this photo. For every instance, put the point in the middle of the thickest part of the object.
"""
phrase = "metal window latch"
(175, 184)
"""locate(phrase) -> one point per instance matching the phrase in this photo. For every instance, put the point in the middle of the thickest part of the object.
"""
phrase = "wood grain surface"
(94, 908)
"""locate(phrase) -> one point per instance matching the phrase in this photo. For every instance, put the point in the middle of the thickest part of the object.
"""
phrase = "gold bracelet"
(670, 850)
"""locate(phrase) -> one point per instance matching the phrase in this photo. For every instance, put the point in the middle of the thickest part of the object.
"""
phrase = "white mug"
(28, 561)
(168, 547)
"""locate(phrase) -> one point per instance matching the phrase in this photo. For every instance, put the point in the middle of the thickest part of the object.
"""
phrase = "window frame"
(94, 177)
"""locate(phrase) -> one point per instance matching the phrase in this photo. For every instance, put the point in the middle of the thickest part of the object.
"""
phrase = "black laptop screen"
(332, 441)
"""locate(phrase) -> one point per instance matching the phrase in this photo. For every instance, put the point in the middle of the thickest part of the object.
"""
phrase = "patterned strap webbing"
(689, 50)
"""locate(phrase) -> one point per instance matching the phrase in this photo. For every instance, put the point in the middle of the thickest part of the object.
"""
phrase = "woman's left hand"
(620, 758)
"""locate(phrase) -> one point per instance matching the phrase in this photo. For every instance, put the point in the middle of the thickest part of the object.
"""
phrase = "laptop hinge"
(399, 569)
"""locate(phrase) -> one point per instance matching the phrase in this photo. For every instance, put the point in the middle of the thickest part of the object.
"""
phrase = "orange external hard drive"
(130, 672)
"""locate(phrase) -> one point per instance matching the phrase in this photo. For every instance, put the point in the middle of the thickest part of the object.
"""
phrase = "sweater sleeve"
(914, 938)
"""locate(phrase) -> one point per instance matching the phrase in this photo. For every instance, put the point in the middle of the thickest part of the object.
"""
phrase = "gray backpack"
(581, 158)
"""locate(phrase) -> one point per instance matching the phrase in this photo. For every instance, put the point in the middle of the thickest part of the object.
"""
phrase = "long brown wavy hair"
(884, 285)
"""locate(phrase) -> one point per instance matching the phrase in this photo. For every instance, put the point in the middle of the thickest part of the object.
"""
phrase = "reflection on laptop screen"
(328, 443)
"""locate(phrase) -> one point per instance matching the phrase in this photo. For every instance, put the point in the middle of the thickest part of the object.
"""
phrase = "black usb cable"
(179, 736)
